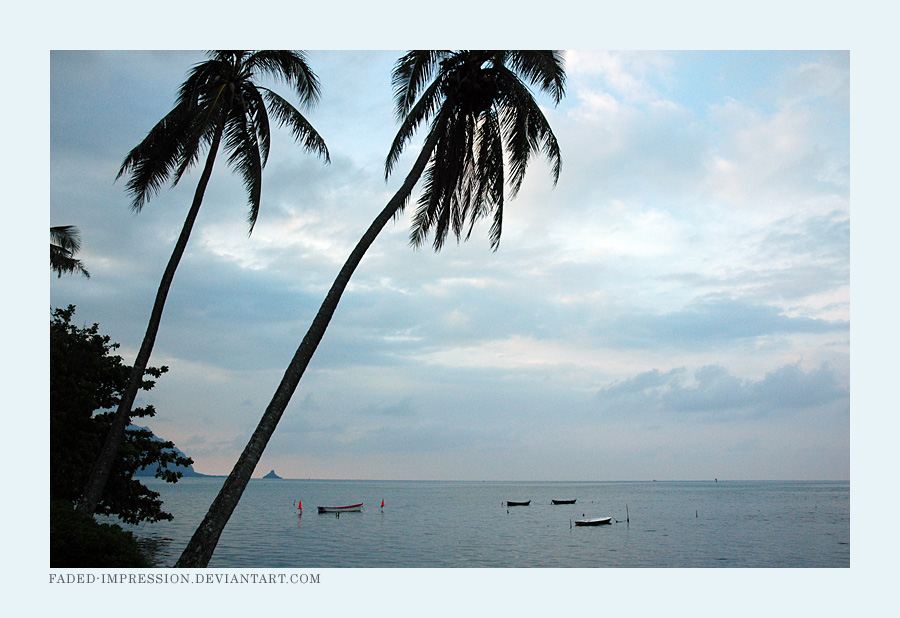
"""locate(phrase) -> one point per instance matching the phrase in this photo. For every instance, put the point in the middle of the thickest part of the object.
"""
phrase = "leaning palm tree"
(480, 109)
(220, 102)
(65, 241)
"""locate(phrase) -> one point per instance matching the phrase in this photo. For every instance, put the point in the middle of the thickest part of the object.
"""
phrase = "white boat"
(352, 508)
(593, 521)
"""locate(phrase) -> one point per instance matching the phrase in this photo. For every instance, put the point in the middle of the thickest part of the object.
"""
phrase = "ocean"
(440, 524)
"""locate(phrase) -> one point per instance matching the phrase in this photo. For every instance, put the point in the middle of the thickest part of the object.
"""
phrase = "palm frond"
(541, 68)
(526, 130)
(303, 132)
(240, 141)
(411, 72)
(492, 175)
(152, 161)
(203, 78)
(67, 237)
(445, 177)
(198, 133)
(254, 109)
(65, 241)
(292, 67)
(427, 105)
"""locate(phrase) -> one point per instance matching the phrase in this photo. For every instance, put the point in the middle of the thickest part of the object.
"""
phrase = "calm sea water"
(466, 524)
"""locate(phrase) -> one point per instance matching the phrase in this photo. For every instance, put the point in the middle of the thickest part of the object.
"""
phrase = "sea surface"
(428, 524)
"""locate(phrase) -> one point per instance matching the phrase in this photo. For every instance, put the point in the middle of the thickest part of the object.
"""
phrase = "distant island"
(186, 471)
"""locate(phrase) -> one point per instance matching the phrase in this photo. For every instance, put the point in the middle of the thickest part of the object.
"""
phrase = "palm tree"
(480, 108)
(65, 241)
(219, 103)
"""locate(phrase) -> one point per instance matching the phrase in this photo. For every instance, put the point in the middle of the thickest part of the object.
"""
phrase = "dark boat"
(517, 503)
(593, 521)
(572, 501)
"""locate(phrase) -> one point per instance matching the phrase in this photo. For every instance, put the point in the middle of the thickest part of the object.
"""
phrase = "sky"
(677, 307)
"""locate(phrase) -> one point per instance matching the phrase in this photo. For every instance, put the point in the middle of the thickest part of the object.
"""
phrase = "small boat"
(572, 501)
(517, 503)
(352, 508)
(593, 521)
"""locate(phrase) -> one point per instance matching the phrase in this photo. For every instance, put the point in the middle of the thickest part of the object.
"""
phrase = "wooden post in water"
(627, 520)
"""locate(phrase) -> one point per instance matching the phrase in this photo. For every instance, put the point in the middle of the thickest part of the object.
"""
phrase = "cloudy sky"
(677, 307)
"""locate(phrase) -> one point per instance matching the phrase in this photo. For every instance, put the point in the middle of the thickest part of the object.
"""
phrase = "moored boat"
(518, 502)
(593, 521)
(351, 508)
(572, 501)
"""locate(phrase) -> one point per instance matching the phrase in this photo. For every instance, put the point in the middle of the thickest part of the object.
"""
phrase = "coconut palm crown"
(222, 97)
(480, 106)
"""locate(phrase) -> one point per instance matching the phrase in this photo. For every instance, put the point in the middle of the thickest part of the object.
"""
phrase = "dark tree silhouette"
(220, 102)
(65, 241)
(480, 109)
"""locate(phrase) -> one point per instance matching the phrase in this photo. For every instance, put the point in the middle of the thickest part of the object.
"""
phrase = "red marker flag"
(382, 503)
(299, 505)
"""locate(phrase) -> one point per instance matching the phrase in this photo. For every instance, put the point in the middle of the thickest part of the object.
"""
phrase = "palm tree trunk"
(203, 543)
(93, 490)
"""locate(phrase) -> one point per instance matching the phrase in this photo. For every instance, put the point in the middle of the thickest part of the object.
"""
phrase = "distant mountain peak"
(187, 472)
(271, 475)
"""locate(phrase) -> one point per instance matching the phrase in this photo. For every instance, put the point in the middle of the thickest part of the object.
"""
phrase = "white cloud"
(828, 77)
(763, 161)
(626, 74)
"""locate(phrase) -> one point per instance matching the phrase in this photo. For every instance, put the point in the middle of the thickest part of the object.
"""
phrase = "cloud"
(825, 78)
(712, 393)
(628, 75)
(713, 321)
(761, 159)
